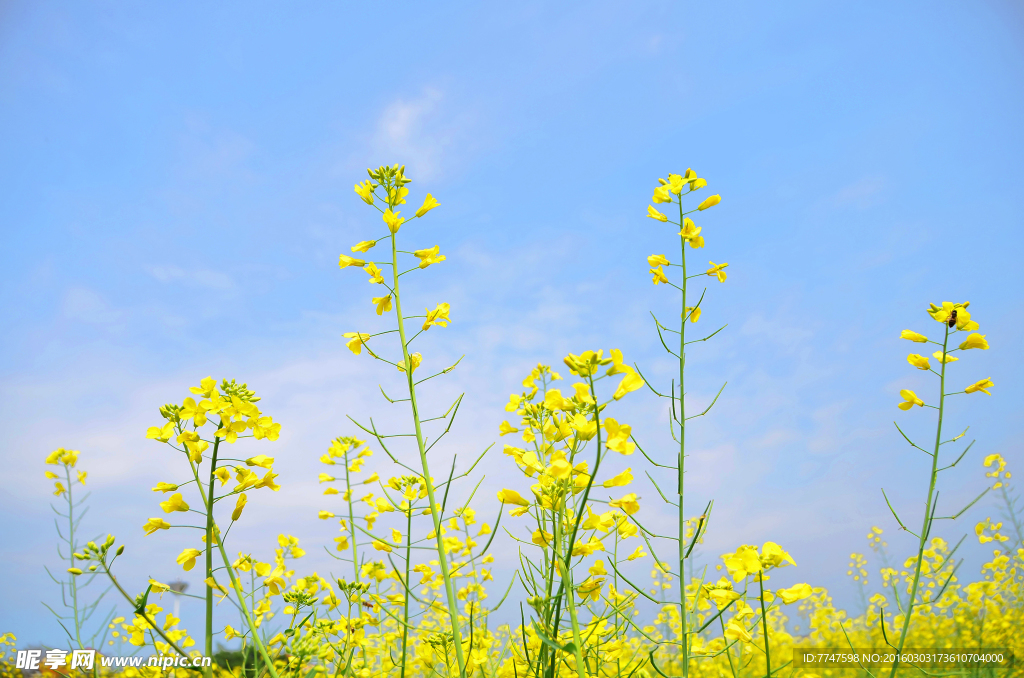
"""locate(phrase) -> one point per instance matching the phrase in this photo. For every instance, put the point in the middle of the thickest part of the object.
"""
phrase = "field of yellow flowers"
(418, 597)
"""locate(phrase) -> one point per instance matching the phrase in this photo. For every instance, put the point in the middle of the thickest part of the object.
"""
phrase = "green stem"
(71, 556)
(570, 602)
(351, 519)
(435, 510)
(927, 523)
(408, 587)
(764, 628)
(208, 671)
(681, 466)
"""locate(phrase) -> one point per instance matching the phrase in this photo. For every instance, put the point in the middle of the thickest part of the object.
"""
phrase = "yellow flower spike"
(938, 355)
(974, 340)
(438, 317)
(512, 497)
(365, 191)
(716, 270)
(429, 256)
(393, 221)
(659, 277)
(187, 558)
(655, 214)
(165, 487)
(358, 340)
(661, 194)
(506, 428)
(344, 261)
(710, 201)
(982, 385)
(415, 359)
(324, 478)
(342, 543)
(910, 335)
(429, 203)
(919, 361)
(910, 399)
(381, 546)
(154, 524)
(396, 536)
(657, 260)
(239, 506)
(597, 569)
(223, 474)
(175, 503)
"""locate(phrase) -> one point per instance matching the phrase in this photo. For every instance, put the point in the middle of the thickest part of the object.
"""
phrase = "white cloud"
(214, 280)
(423, 133)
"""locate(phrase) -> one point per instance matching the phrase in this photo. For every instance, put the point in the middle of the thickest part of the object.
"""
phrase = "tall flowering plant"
(955, 320)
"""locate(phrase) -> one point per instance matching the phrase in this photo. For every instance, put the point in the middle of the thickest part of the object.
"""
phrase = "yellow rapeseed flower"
(383, 304)
(982, 385)
(239, 505)
(393, 221)
(716, 270)
(175, 503)
(974, 340)
(910, 335)
(429, 203)
(429, 256)
(154, 524)
(187, 558)
(710, 201)
(344, 261)
(657, 260)
(910, 399)
(655, 214)
(919, 361)
(363, 246)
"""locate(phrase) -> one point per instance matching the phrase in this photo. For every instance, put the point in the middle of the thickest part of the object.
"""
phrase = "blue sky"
(177, 188)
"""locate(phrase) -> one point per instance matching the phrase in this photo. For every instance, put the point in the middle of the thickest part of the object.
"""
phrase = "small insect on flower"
(952, 318)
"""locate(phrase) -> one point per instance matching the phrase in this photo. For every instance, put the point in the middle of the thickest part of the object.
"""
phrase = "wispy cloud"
(205, 278)
(425, 131)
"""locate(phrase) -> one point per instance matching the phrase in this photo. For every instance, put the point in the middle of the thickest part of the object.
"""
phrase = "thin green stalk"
(435, 510)
(683, 612)
(71, 556)
(926, 526)
(764, 628)
(577, 638)
(351, 518)
(208, 671)
(408, 588)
